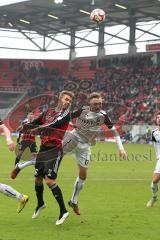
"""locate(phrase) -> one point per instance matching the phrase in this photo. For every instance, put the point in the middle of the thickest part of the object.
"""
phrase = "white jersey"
(88, 123)
(156, 140)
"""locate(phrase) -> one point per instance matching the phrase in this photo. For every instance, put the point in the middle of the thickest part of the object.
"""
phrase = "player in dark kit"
(51, 126)
(25, 140)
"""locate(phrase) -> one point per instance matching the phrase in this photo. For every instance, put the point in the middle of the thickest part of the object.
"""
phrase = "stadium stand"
(130, 85)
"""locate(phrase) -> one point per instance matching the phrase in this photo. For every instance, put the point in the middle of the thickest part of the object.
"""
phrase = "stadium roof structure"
(47, 18)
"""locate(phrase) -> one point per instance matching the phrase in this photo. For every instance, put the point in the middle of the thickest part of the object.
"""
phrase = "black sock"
(59, 197)
(39, 193)
(17, 160)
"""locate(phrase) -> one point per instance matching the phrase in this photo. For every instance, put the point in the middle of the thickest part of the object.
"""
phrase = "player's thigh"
(47, 162)
(69, 143)
(41, 159)
(52, 165)
(39, 169)
(23, 145)
(82, 172)
(83, 154)
(156, 174)
(33, 147)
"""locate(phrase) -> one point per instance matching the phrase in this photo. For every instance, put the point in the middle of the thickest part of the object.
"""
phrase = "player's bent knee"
(83, 175)
(50, 182)
(38, 180)
(156, 177)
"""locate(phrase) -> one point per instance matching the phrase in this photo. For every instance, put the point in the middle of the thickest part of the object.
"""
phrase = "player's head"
(157, 118)
(95, 102)
(65, 99)
(30, 116)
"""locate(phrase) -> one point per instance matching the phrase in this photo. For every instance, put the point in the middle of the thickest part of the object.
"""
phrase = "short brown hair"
(94, 95)
(66, 92)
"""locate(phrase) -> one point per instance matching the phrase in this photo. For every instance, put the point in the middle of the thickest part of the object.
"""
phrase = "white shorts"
(80, 150)
(157, 168)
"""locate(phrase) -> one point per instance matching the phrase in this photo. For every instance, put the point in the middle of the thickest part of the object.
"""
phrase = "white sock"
(78, 185)
(154, 189)
(10, 192)
(26, 164)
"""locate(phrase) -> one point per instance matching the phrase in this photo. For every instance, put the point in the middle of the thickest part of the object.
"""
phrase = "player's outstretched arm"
(122, 152)
(60, 120)
(29, 127)
(110, 125)
(7, 134)
(93, 140)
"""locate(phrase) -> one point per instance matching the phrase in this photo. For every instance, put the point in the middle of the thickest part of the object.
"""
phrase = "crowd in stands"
(130, 86)
(123, 60)
(133, 86)
(39, 79)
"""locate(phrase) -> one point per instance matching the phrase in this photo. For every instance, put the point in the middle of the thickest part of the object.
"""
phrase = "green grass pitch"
(112, 203)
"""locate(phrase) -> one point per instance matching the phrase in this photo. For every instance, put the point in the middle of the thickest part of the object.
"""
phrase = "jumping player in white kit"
(78, 141)
(156, 174)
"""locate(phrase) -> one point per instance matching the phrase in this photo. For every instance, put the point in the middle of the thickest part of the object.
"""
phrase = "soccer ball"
(97, 15)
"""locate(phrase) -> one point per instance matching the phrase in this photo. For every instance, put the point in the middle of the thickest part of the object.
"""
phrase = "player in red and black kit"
(51, 126)
(25, 140)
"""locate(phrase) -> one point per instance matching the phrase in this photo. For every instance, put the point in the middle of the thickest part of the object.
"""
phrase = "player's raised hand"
(123, 154)
(10, 145)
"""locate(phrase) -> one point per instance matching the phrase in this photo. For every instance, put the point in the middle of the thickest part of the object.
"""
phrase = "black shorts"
(47, 162)
(26, 143)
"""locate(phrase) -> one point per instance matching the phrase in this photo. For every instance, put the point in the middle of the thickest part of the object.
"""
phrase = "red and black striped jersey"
(52, 126)
(28, 137)
(25, 136)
